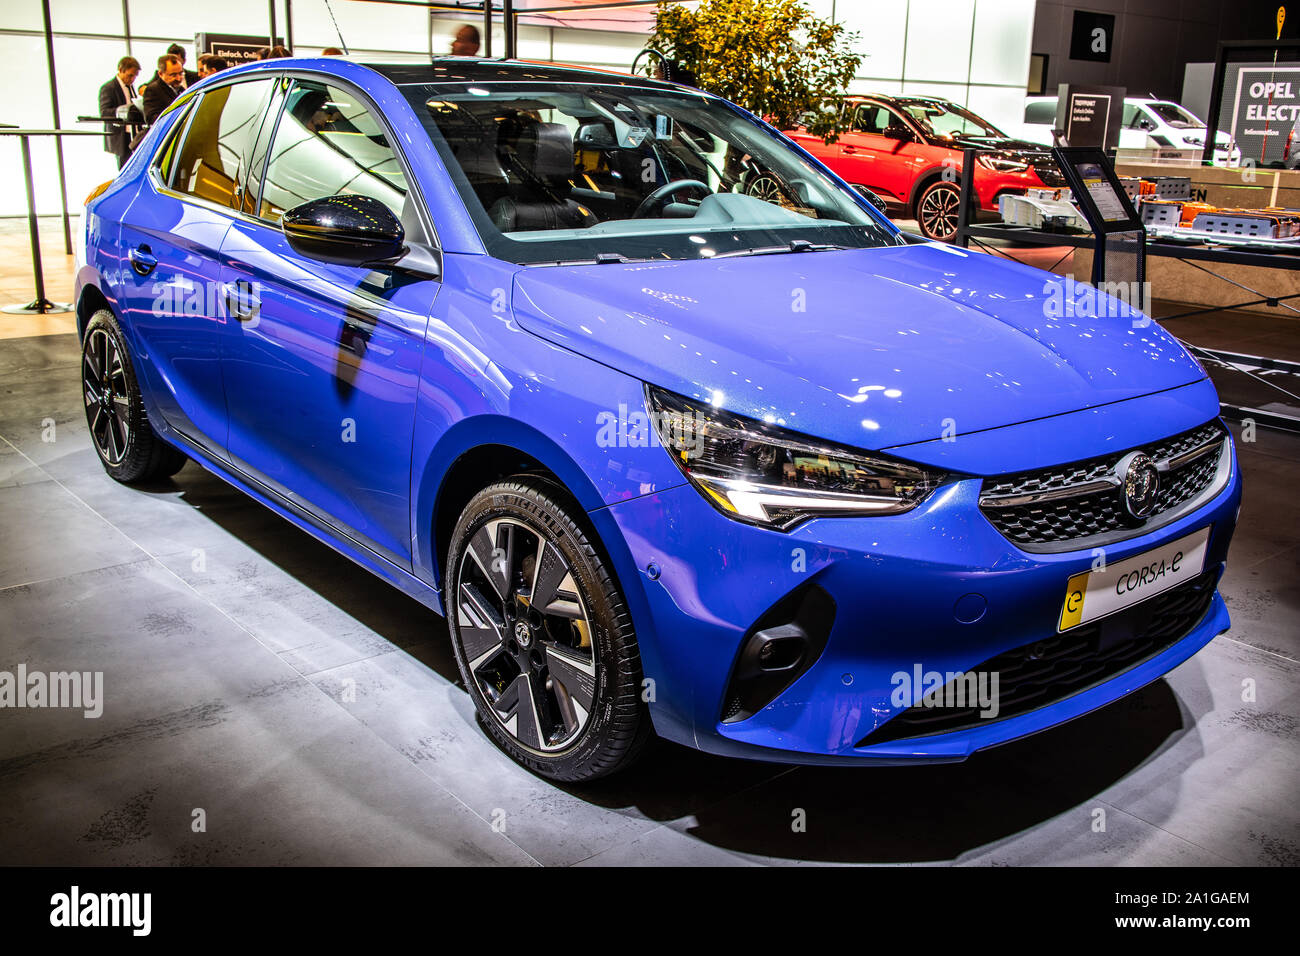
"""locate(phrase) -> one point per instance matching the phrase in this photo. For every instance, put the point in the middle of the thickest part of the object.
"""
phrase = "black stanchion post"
(964, 200)
(58, 141)
(487, 28)
(40, 305)
(33, 228)
(510, 28)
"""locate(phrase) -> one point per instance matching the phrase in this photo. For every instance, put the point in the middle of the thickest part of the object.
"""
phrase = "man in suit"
(210, 63)
(178, 51)
(166, 85)
(119, 91)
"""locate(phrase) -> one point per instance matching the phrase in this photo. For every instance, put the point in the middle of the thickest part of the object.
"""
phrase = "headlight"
(765, 475)
(1002, 164)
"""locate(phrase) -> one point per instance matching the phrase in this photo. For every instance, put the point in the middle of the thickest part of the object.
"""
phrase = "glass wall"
(90, 36)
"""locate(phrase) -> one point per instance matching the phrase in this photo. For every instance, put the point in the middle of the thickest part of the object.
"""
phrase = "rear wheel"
(542, 635)
(119, 426)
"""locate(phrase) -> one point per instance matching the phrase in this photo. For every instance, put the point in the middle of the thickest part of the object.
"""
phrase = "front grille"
(1055, 519)
(1058, 667)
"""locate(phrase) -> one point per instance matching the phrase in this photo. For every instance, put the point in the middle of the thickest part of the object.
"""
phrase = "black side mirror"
(873, 198)
(894, 131)
(347, 230)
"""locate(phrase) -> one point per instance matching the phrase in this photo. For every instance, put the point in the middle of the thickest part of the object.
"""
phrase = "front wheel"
(937, 210)
(542, 635)
(115, 413)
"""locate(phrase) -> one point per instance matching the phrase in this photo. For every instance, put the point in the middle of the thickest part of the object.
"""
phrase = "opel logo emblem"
(523, 634)
(1140, 482)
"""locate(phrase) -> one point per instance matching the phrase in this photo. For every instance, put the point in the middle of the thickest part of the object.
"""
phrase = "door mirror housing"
(899, 132)
(873, 198)
(346, 230)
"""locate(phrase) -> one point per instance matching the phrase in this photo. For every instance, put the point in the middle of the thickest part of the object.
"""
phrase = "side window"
(329, 144)
(871, 119)
(214, 155)
(1135, 117)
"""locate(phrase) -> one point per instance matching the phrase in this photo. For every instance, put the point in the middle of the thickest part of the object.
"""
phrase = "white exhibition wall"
(973, 51)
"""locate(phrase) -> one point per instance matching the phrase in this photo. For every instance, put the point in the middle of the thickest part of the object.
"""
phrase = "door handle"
(850, 149)
(142, 260)
(243, 301)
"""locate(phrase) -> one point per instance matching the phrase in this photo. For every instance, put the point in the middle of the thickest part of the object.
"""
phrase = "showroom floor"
(313, 714)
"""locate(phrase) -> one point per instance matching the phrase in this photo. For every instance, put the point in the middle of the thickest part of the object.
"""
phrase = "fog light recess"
(779, 648)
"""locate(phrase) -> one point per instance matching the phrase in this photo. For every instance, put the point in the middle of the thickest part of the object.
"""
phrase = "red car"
(908, 151)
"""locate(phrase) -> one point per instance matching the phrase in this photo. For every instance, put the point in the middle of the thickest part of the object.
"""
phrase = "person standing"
(210, 63)
(167, 84)
(118, 92)
(178, 51)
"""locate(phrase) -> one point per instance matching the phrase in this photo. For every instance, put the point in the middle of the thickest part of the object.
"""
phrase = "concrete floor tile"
(284, 778)
(45, 532)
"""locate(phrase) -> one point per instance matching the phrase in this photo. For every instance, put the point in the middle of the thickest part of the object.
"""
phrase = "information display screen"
(1100, 196)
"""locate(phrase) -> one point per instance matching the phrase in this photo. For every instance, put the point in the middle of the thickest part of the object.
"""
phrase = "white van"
(1146, 124)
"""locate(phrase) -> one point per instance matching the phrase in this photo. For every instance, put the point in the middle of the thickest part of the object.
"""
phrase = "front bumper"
(900, 584)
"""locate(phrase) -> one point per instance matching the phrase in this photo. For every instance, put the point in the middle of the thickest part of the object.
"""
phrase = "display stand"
(40, 305)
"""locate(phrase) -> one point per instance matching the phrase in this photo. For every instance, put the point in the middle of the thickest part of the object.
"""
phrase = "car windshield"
(1175, 115)
(945, 120)
(571, 173)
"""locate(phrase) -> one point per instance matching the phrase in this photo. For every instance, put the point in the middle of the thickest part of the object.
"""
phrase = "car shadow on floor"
(390, 613)
(854, 814)
(925, 813)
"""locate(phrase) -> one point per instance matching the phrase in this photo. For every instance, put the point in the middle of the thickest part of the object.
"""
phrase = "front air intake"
(777, 650)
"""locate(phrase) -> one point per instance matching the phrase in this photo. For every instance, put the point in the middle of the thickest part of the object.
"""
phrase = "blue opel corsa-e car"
(678, 432)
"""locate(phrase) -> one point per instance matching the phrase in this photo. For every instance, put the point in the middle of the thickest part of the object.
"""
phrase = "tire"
(128, 447)
(937, 210)
(565, 706)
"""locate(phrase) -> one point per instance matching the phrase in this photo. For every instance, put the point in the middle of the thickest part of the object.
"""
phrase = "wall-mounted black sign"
(1092, 37)
(1090, 115)
(231, 47)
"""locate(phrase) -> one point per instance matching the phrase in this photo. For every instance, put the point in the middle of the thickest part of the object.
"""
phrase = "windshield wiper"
(794, 245)
(599, 259)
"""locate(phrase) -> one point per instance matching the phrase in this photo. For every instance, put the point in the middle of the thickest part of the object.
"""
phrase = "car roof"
(1127, 99)
(897, 98)
(466, 69)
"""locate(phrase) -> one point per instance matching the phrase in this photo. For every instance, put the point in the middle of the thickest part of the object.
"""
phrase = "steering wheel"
(663, 192)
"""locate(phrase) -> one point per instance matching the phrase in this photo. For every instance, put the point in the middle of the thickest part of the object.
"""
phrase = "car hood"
(870, 347)
(959, 141)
